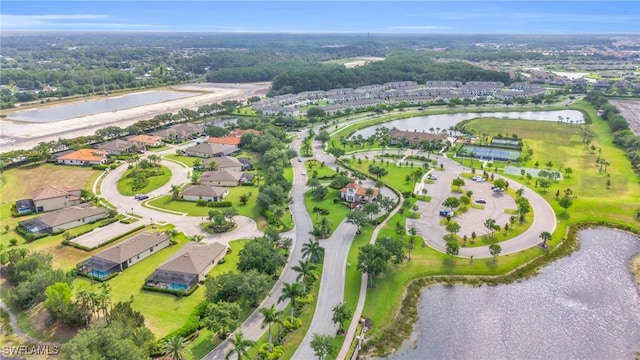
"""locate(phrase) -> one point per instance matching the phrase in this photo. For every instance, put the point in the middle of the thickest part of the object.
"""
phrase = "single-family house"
(224, 163)
(226, 178)
(116, 147)
(83, 157)
(187, 267)
(230, 140)
(180, 132)
(63, 219)
(126, 254)
(353, 192)
(207, 150)
(145, 141)
(203, 192)
(55, 197)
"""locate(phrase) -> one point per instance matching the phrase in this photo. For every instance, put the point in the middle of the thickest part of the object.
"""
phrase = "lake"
(444, 121)
(585, 306)
(90, 107)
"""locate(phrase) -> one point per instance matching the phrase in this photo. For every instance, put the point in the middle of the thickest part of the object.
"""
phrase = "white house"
(203, 192)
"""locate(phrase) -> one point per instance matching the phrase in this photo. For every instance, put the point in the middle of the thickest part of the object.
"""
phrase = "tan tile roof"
(50, 192)
(193, 258)
(227, 140)
(84, 155)
(132, 247)
(360, 190)
(145, 139)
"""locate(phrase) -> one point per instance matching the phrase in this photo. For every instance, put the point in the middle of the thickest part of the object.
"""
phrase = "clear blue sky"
(509, 17)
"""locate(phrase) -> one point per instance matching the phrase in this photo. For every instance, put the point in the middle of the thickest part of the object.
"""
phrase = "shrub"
(222, 261)
(308, 299)
(292, 325)
(221, 204)
(201, 202)
(99, 167)
(263, 352)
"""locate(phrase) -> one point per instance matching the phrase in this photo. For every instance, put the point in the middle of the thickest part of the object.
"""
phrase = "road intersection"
(336, 247)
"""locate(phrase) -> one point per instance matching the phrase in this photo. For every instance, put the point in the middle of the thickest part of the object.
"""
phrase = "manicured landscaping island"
(143, 179)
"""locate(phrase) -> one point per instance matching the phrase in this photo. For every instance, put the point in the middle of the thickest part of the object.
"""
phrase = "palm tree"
(240, 345)
(545, 235)
(313, 250)
(175, 348)
(290, 291)
(270, 316)
(172, 233)
(305, 269)
(196, 237)
(175, 192)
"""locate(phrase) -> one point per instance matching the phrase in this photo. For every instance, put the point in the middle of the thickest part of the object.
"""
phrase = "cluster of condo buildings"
(392, 93)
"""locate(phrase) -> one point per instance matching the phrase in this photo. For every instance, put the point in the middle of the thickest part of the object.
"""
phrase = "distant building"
(145, 141)
(115, 147)
(225, 178)
(50, 198)
(207, 150)
(414, 137)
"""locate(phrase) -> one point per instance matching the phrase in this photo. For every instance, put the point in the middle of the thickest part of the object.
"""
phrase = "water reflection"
(90, 107)
(444, 121)
(585, 306)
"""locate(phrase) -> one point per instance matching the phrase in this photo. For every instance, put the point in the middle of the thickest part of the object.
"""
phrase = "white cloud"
(67, 22)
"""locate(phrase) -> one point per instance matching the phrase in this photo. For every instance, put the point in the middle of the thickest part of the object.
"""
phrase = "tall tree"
(290, 291)
(495, 250)
(175, 348)
(340, 315)
(545, 235)
(240, 345)
(313, 250)
(305, 269)
(452, 249)
(270, 316)
(322, 345)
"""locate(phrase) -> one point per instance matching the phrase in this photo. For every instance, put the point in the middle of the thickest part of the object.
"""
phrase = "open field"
(630, 110)
(21, 135)
(337, 211)
(17, 183)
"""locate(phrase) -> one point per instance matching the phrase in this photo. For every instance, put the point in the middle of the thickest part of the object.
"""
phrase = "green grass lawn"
(163, 312)
(338, 211)
(185, 160)
(124, 183)
(17, 183)
(396, 174)
(192, 209)
(317, 170)
(559, 143)
(159, 148)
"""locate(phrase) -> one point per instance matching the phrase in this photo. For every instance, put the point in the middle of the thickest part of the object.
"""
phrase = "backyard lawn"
(125, 184)
(17, 183)
(163, 312)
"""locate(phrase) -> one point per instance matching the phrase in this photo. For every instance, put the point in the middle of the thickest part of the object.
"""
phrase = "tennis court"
(489, 153)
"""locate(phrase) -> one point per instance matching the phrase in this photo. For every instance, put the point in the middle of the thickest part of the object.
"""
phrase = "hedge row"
(214, 204)
(108, 222)
(80, 273)
(178, 293)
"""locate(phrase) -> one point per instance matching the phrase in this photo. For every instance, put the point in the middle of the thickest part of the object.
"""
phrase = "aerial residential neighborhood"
(411, 187)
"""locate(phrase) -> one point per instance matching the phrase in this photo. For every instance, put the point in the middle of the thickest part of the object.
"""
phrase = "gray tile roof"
(69, 214)
(210, 148)
(223, 162)
(203, 190)
(224, 175)
(132, 247)
(193, 258)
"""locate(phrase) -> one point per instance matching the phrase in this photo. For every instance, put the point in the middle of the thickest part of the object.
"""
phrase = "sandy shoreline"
(15, 135)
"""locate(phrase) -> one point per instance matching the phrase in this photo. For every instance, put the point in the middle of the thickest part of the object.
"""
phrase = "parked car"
(143, 197)
(304, 173)
(446, 212)
(299, 159)
(432, 177)
(481, 201)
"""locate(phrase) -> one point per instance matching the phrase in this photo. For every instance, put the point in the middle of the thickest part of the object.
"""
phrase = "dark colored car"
(481, 201)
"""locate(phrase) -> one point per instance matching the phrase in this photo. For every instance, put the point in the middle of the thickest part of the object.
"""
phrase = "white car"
(304, 173)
